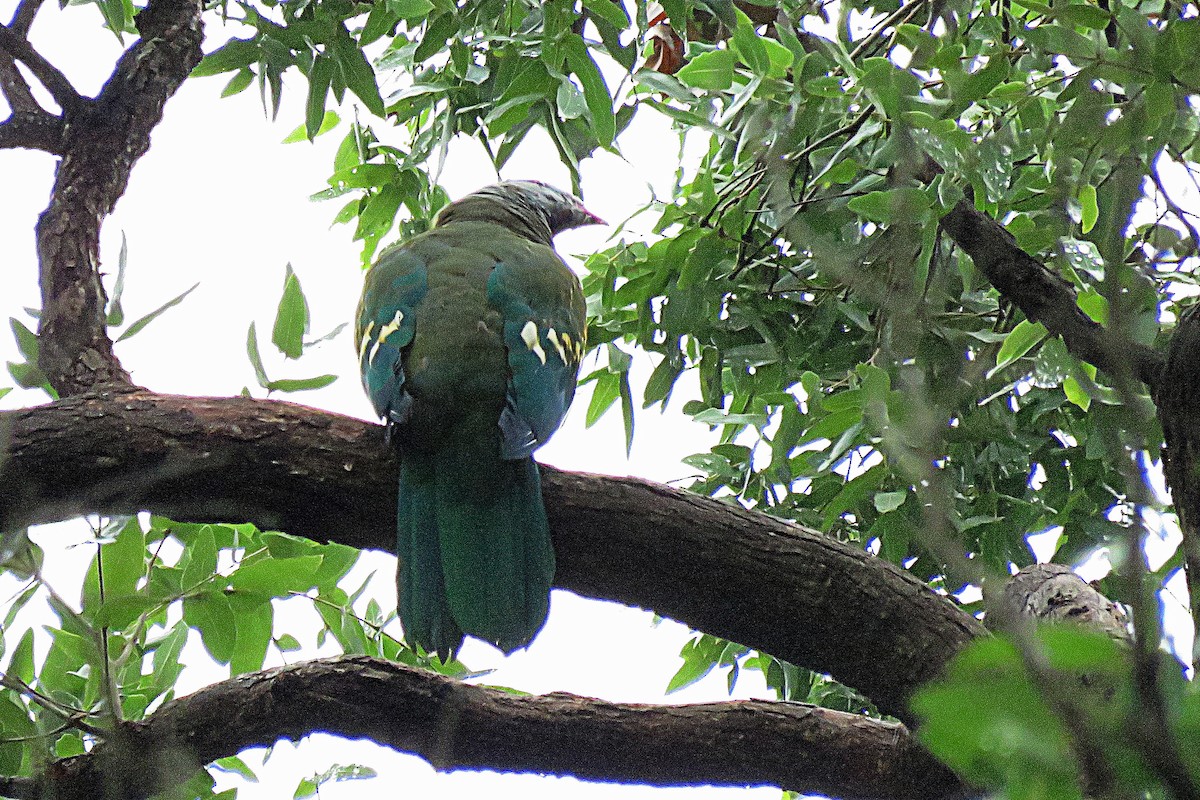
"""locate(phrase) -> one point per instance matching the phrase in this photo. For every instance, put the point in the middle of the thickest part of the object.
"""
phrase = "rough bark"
(1179, 413)
(458, 726)
(717, 567)
(102, 141)
(33, 131)
(1053, 593)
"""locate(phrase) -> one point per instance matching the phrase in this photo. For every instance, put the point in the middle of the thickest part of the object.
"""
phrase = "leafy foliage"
(115, 652)
(865, 380)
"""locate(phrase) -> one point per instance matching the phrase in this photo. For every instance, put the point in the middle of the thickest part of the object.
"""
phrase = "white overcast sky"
(221, 201)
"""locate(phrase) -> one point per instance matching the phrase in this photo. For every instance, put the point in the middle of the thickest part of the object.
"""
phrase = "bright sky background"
(219, 200)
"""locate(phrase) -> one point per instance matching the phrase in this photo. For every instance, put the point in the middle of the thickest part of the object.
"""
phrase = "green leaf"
(15, 725)
(115, 315)
(119, 613)
(569, 101)
(27, 340)
(211, 615)
(626, 409)
(715, 416)
(255, 356)
(329, 336)
(1076, 393)
(199, 559)
(1089, 211)
(610, 12)
(724, 10)
(118, 15)
(661, 381)
(121, 561)
(236, 766)
(287, 643)
(595, 91)
(237, 84)
(336, 561)
(712, 71)
(380, 21)
(276, 577)
(20, 664)
(987, 691)
(748, 46)
(691, 672)
(886, 502)
(234, 54)
(1083, 15)
(166, 664)
(893, 205)
(299, 384)
(410, 9)
(1023, 338)
(137, 326)
(319, 80)
(356, 72)
(291, 318)
(254, 618)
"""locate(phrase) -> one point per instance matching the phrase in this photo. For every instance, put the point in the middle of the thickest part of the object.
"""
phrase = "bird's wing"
(544, 318)
(385, 325)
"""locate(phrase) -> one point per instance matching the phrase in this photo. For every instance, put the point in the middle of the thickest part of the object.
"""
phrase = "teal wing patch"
(386, 325)
(545, 343)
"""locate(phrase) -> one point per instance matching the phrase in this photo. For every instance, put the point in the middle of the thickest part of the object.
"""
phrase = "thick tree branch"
(103, 140)
(22, 19)
(458, 726)
(36, 131)
(1054, 593)
(715, 566)
(15, 88)
(18, 47)
(1045, 297)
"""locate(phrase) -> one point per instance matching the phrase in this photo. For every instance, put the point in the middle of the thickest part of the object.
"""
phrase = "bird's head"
(536, 209)
(561, 210)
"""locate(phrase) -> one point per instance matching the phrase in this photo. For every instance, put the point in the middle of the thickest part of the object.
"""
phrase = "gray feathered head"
(532, 209)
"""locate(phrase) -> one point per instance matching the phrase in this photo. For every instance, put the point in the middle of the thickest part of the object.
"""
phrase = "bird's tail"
(474, 547)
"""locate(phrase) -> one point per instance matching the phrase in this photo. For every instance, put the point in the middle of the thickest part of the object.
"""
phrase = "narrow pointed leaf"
(136, 327)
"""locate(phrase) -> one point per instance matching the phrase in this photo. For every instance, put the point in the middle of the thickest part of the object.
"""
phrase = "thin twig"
(23, 17)
(55, 82)
(72, 717)
(15, 88)
(903, 13)
(110, 681)
(1179, 213)
(849, 128)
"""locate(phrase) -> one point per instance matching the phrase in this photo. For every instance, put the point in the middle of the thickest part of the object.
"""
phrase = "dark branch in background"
(29, 125)
(15, 88)
(459, 726)
(18, 47)
(718, 567)
(1179, 412)
(22, 19)
(1045, 297)
(104, 140)
(37, 131)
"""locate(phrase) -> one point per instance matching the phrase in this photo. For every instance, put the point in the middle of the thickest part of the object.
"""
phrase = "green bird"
(469, 340)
